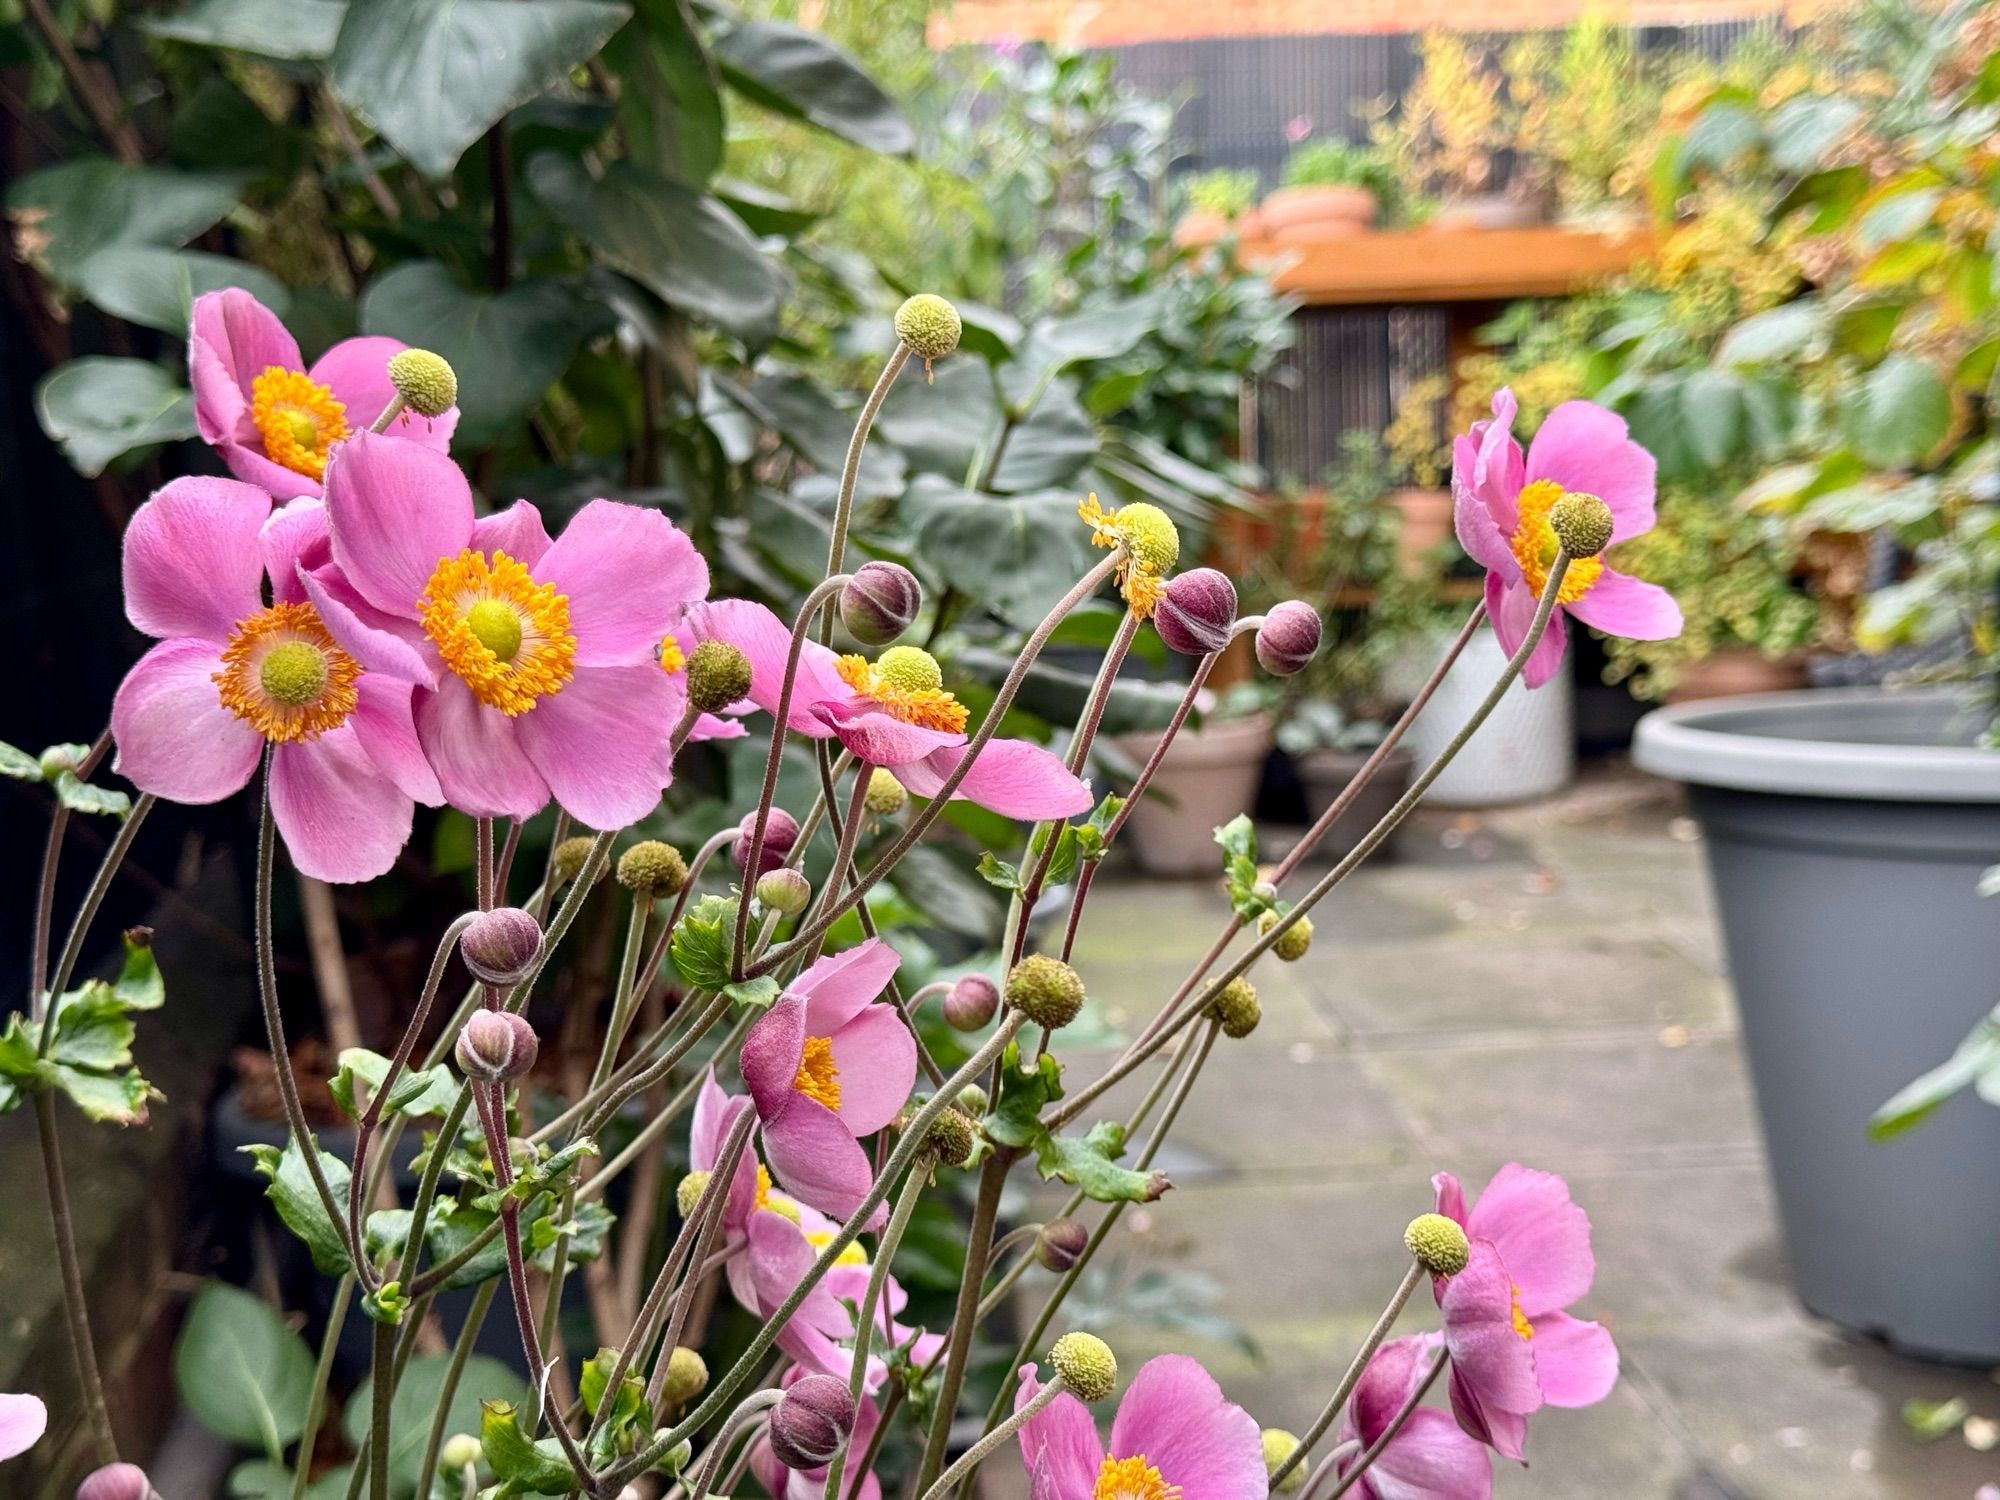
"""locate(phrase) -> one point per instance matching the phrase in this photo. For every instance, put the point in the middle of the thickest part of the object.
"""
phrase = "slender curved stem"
(871, 1300)
(329, 1345)
(45, 893)
(461, 1353)
(382, 1390)
(1348, 1381)
(958, 1343)
(86, 913)
(712, 1459)
(76, 1303)
(970, 1460)
(1388, 1435)
(850, 469)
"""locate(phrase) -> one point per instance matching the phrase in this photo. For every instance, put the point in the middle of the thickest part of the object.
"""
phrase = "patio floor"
(1541, 984)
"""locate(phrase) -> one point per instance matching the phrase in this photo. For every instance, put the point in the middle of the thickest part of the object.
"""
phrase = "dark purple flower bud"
(878, 603)
(1288, 638)
(781, 831)
(1060, 1244)
(1195, 611)
(970, 1002)
(812, 1422)
(501, 946)
(495, 1045)
(116, 1482)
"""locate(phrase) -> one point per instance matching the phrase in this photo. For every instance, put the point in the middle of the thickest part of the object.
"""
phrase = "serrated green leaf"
(108, 1098)
(93, 1032)
(1089, 1163)
(79, 795)
(997, 872)
(754, 994)
(297, 1200)
(702, 941)
(417, 1092)
(1014, 1118)
(522, 1467)
(17, 763)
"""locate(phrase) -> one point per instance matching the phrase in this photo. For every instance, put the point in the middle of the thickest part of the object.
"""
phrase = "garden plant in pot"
(1219, 203)
(1333, 188)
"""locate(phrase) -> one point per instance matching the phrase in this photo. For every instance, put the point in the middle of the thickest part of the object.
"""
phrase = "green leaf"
(1913, 1103)
(1927, 1421)
(1020, 553)
(629, 1412)
(1090, 1164)
(93, 1032)
(296, 31)
(242, 1370)
(415, 1404)
(1898, 413)
(108, 1098)
(522, 1467)
(433, 75)
(586, 1231)
(668, 96)
(139, 985)
(507, 350)
(1802, 128)
(79, 795)
(1015, 1116)
(754, 994)
(1777, 333)
(1712, 414)
(802, 75)
(997, 872)
(20, 765)
(101, 407)
(681, 244)
(155, 286)
(1897, 216)
(297, 1200)
(63, 215)
(419, 1091)
(451, 1233)
(702, 942)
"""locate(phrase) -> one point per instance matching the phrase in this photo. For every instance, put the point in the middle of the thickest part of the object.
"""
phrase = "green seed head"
(651, 868)
(1045, 990)
(1086, 1364)
(909, 669)
(1279, 1445)
(569, 857)
(688, 1194)
(929, 325)
(886, 796)
(687, 1376)
(1438, 1244)
(1294, 942)
(1149, 534)
(952, 1138)
(425, 381)
(1582, 523)
(718, 674)
(1237, 1008)
(293, 673)
(496, 626)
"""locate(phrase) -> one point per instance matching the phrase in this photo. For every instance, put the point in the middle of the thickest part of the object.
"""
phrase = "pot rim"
(1740, 744)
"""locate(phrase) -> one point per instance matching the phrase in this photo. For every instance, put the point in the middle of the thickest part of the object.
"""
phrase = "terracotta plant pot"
(1486, 211)
(1735, 672)
(1298, 215)
(1426, 524)
(1324, 775)
(1200, 226)
(1209, 776)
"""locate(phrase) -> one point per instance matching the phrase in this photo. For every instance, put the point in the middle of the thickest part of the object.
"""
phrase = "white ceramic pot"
(1527, 749)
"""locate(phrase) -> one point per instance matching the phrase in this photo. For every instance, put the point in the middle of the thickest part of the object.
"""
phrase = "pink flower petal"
(175, 739)
(766, 640)
(341, 819)
(1584, 446)
(877, 1059)
(1450, 1197)
(879, 740)
(715, 1113)
(816, 1158)
(1542, 1237)
(232, 339)
(295, 537)
(480, 765)
(192, 565)
(629, 574)
(388, 644)
(839, 986)
(398, 509)
(357, 372)
(1059, 1444)
(1432, 1458)
(517, 531)
(1496, 1364)
(771, 1054)
(1618, 604)
(1175, 1415)
(1498, 471)
(1014, 778)
(1472, 517)
(1511, 608)
(23, 1420)
(384, 722)
(1576, 1362)
(1391, 1376)
(1505, 1432)
(602, 743)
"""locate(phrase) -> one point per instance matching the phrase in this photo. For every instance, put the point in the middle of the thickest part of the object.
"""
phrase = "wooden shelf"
(1448, 265)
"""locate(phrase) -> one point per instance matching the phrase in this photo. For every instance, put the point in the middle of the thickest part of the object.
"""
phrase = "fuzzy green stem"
(970, 1460)
(1352, 1377)
(461, 1353)
(76, 1303)
(1388, 1436)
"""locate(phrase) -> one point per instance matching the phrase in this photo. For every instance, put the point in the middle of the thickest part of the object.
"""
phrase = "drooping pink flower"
(893, 713)
(826, 1067)
(1174, 1435)
(782, 1483)
(1431, 1458)
(23, 1420)
(1513, 1347)
(273, 420)
(231, 674)
(1501, 503)
(542, 658)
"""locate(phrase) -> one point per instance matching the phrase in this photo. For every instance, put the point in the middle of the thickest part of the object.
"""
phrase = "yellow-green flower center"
(908, 669)
(496, 626)
(293, 673)
(1131, 1479)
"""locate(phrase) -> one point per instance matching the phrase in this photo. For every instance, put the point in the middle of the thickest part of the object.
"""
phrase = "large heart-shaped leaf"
(1019, 553)
(298, 30)
(64, 214)
(669, 96)
(155, 287)
(507, 348)
(803, 75)
(433, 75)
(101, 407)
(683, 245)
(242, 1371)
(820, 431)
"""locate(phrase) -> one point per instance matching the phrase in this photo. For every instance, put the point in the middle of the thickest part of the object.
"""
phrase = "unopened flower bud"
(953, 1134)
(1280, 1445)
(501, 946)
(687, 1375)
(569, 858)
(781, 831)
(1438, 1244)
(1045, 990)
(929, 325)
(718, 674)
(426, 381)
(55, 760)
(970, 1002)
(459, 1450)
(1294, 942)
(811, 1422)
(116, 1482)
(651, 869)
(676, 1458)
(1060, 1244)
(1237, 1008)
(1195, 611)
(972, 1099)
(879, 602)
(886, 796)
(1582, 523)
(688, 1194)
(495, 1045)
(1288, 638)
(784, 891)
(1086, 1364)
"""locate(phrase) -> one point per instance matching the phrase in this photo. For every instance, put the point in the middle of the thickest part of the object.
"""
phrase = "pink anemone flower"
(826, 1067)
(23, 1420)
(1513, 1348)
(1431, 1458)
(893, 713)
(1501, 503)
(781, 1483)
(542, 658)
(273, 420)
(1175, 1438)
(232, 674)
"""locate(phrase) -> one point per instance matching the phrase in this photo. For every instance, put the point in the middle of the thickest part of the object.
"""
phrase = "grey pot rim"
(1738, 744)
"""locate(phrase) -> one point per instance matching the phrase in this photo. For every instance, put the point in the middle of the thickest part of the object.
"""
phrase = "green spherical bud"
(459, 1450)
(688, 1194)
(718, 674)
(1280, 1445)
(784, 891)
(687, 1376)
(953, 1134)
(1582, 523)
(674, 1460)
(650, 868)
(929, 325)
(1438, 1244)
(972, 1099)
(886, 796)
(1045, 990)
(1293, 941)
(569, 857)
(1237, 1008)
(1086, 1364)
(425, 381)
(1149, 535)
(55, 760)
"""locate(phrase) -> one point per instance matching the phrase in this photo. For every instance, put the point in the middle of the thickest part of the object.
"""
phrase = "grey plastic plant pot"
(1845, 833)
